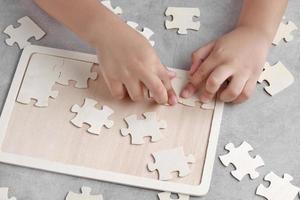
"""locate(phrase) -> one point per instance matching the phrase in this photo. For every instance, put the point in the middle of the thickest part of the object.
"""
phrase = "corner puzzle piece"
(279, 189)
(92, 116)
(167, 196)
(148, 127)
(168, 161)
(146, 32)
(85, 195)
(4, 194)
(182, 19)
(243, 162)
(40, 77)
(284, 32)
(76, 70)
(277, 76)
(116, 10)
(23, 33)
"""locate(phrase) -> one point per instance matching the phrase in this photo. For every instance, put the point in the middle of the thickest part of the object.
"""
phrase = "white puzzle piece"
(117, 10)
(279, 189)
(182, 19)
(4, 194)
(169, 161)
(284, 32)
(146, 32)
(150, 126)
(89, 114)
(20, 35)
(241, 159)
(277, 76)
(41, 74)
(167, 196)
(85, 195)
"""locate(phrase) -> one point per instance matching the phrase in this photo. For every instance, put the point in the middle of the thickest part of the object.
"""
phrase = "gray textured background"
(270, 125)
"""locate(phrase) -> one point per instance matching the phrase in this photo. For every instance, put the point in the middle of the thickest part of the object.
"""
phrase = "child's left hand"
(238, 57)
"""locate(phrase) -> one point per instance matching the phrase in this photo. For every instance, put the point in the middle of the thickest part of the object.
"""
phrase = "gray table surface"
(270, 125)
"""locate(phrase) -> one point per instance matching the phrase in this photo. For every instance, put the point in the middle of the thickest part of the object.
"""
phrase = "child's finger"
(247, 91)
(166, 76)
(135, 90)
(234, 89)
(116, 88)
(206, 96)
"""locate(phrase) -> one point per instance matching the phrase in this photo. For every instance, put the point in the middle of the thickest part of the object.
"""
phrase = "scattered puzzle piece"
(4, 194)
(20, 35)
(243, 162)
(279, 189)
(116, 10)
(167, 196)
(146, 32)
(284, 32)
(85, 195)
(92, 116)
(168, 161)
(139, 128)
(277, 76)
(182, 19)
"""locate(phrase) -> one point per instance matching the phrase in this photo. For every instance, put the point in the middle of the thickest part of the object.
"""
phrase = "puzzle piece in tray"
(76, 70)
(277, 76)
(40, 77)
(92, 116)
(172, 160)
(241, 159)
(167, 196)
(85, 195)
(23, 33)
(117, 10)
(279, 189)
(284, 32)
(139, 128)
(146, 32)
(182, 19)
(4, 194)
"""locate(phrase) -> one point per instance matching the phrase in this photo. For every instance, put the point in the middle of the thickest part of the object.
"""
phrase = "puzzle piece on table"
(76, 70)
(4, 194)
(117, 10)
(85, 195)
(172, 160)
(182, 19)
(20, 35)
(146, 32)
(167, 196)
(148, 127)
(241, 159)
(284, 32)
(92, 116)
(40, 77)
(279, 189)
(277, 76)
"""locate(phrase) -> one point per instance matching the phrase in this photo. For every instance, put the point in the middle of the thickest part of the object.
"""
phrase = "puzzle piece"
(92, 116)
(139, 128)
(41, 74)
(4, 194)
(85, 195)
(277, 76)
(182, 19)
(76, 70)
(284, 32)
(168, 161)
(146, 32)
(167, 196)
(279, 189)
(116, 10)
(243, 162)
(23, 33)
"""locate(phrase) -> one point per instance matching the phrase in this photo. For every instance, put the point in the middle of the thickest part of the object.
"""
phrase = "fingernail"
(185, 93)
(173, 100)
(204, 99)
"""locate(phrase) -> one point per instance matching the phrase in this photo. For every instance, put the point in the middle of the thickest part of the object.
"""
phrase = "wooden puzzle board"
(44, 138)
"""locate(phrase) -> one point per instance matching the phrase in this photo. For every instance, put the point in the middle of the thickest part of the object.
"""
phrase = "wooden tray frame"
(26, 161)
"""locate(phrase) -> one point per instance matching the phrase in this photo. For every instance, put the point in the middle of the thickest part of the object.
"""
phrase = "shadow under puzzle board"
(44, 138)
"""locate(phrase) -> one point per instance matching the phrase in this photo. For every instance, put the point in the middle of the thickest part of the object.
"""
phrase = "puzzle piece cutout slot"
(285, 32)
(107, 3)
(84, 195)
(167, 196)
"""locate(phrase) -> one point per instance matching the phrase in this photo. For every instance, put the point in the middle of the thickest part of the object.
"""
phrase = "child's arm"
(128, 62)
(238, 56)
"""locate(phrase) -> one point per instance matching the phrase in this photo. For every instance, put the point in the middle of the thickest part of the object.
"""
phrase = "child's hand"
(238, 57)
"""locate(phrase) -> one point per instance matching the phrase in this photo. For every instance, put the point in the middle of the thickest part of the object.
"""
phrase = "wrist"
(265, 35)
